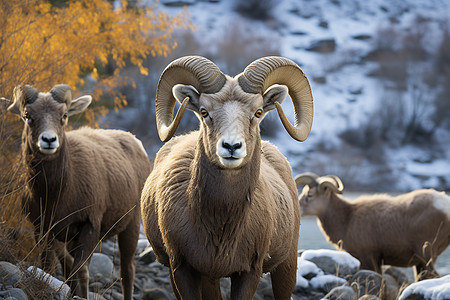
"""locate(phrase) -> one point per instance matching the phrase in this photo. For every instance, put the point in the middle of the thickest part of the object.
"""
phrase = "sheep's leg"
(65, 259)
(187, 281)
(244, 284)
(284, 278)
(48, 260)
(84, 245)
(371, 263)
(127, 247)
(211, 289)
(174, 287)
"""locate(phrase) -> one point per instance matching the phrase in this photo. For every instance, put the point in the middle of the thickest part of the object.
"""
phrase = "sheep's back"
(397, 227)
(110, 166)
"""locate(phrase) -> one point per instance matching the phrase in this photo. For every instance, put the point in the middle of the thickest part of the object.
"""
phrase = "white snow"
(301, 281)
(307, 267)
(340, 257)
(53, 283)
(436, 289)
(323, 280)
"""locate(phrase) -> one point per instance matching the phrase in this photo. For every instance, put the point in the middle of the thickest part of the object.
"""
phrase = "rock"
(362, 37)
(101, 266)
(390, 287)
(55, 287)
(15, 293)
(400, 277)
(429, 289)
(9, 273)
(341, 293)
(323, 46)
(307, 269)
(325, 283)
(339, 263)
(370, 297)
(95, 296)
(142, 244)
(177, 2)
(147, 256)
(366, 282)
(156, 294)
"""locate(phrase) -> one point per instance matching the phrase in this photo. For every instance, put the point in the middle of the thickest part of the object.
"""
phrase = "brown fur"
(88, 190)
(404, 231)
(206, 222)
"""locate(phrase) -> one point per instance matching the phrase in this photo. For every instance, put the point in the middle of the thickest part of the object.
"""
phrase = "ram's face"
(45, 121)
(312, 202)
(230, 125)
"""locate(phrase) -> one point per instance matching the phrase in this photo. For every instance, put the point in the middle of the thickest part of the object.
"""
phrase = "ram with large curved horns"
(220, 202)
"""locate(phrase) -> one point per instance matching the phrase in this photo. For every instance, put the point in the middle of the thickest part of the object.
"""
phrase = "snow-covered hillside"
(333, 40)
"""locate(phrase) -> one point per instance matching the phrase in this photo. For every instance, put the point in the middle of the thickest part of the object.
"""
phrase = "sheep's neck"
(334, 219)
(219, 198)
(46, 178)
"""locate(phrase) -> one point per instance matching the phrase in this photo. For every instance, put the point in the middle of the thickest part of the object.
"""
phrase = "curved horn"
(197, 71)
(307, 178)
(266, 71)
(62, 93)
(339, 184)
(330, 182)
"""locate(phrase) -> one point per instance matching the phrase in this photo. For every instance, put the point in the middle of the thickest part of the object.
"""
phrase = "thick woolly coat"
(221, 221)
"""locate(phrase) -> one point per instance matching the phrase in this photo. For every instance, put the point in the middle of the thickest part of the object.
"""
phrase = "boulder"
(9, 273)
(334, 262)
(101, 267)
(436, 289)
(341, 293)
(14, 293)
(323, 46)
(366, 282)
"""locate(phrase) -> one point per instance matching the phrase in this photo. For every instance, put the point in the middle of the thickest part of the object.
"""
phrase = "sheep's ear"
(275, 93)
(79, 104)
(181, 91)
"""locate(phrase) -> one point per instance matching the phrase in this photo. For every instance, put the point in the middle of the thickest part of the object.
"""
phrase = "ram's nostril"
(231, 148)
(48, 139)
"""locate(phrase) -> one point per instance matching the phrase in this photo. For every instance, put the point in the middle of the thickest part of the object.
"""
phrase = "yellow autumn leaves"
(43, 43)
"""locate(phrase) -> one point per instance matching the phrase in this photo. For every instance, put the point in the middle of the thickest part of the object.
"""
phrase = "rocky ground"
(320, 276)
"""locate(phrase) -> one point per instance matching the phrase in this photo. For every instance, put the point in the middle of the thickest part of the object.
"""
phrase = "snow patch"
(436, 289)
(340, 257)
(323, 280)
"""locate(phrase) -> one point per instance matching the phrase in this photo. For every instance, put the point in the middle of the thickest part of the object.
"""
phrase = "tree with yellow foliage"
(85, 44)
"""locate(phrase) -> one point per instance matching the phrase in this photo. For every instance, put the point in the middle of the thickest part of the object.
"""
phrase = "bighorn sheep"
(411, 229)
(219, 201)
(83, 185)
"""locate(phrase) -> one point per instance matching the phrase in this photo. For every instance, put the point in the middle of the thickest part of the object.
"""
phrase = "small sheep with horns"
(411, 229)
(82, 185)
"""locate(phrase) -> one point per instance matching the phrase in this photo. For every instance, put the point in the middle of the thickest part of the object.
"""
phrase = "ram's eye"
(204, 112)
(64, 118)
(27, 117)
(258, 113)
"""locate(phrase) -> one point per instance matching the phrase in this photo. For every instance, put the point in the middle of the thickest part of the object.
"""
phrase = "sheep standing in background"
(83, 185)
(412, 229)
(220, 202)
